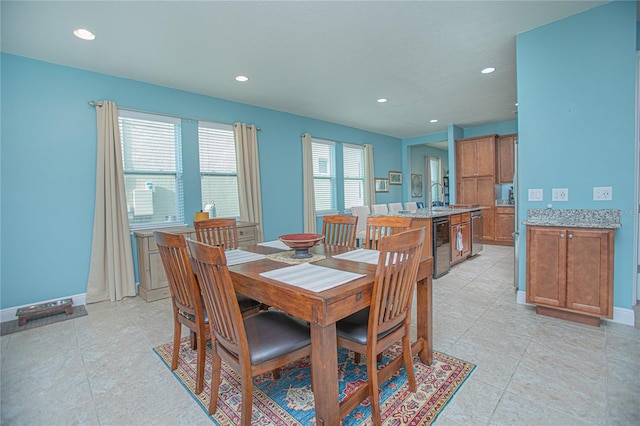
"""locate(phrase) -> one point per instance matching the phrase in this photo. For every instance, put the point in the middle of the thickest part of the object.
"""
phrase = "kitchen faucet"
(440, 193)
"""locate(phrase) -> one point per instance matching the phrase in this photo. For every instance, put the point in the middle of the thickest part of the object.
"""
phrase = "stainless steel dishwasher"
(441, 246)
(476, 232)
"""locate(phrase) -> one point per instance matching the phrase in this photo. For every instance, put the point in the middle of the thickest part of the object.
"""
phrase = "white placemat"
(360, 255)
(275, 244)
(237, 256)
(311, 277)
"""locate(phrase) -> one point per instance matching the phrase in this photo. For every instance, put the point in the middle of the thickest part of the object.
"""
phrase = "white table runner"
(275, 244)
(237, 256)
(360, 255)
(311, 277)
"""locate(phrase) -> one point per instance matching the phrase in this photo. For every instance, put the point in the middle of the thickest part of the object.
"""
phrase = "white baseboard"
(620, 315)
(9, 314)
(623, 316)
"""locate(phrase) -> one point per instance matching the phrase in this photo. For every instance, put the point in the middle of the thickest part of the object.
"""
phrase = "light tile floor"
(531, 369)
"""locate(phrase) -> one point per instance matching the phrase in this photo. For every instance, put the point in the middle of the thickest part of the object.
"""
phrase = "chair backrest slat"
(221, 232)
(340, 230)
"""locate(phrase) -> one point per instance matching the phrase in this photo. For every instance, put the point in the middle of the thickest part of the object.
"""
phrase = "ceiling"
(327, 60)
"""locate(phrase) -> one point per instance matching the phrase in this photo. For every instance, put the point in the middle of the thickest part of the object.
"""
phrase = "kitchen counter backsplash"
(576, 218)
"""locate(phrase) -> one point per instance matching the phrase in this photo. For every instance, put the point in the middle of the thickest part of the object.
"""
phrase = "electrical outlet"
(560, 194)
(535, 194)
(602, 193)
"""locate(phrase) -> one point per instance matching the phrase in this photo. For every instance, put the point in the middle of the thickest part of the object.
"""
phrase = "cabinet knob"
(241, 232)
(561, 235)
(570, 236)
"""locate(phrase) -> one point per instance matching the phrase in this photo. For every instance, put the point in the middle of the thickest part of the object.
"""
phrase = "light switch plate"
(535, 194)
(560, 194)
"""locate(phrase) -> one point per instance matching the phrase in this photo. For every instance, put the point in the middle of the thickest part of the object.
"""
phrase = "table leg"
(324, 370)
(424, 307)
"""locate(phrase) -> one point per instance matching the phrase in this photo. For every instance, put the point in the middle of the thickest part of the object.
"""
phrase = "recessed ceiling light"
(84, 34)
(433, 121)
(242, 78)
(488, 70)
(382, 100)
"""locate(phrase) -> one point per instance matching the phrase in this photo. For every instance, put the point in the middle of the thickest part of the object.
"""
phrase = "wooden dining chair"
(381, 226)
(340, 230)
(185, 297)
(252, 345)
(223, 232)
(388, 320)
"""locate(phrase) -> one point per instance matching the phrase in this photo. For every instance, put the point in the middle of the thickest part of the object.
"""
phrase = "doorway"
(435, 187)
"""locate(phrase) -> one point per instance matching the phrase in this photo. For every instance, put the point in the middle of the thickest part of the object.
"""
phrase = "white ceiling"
(328, 60)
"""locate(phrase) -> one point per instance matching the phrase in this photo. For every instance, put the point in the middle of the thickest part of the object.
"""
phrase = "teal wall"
(417, 166)
(576, 93)
(48, 159)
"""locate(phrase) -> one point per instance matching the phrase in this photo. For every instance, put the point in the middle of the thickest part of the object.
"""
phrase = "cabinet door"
(465, 229)
(466, 158)
(505, 159)
(486, 191)
(546, 266)
(158, 278)
(455, 254)
(505, 223)
(486, 156)
(590, 271)
(468, 191)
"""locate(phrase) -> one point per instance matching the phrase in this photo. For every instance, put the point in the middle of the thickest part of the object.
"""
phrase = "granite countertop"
(433, 212)
(574, 218)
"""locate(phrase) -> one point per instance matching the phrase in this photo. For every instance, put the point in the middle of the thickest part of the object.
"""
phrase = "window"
(218, 170)
(151, 155)
(323, 155)
(353, 159)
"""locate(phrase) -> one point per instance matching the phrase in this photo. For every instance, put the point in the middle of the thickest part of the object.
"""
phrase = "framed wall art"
(416, 185)
(382, 185)
(395, 178)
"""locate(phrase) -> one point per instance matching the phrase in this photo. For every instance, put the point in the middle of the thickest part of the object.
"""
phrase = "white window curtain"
(111, 270)
(369, 188)
(249, 192)
(307, 185)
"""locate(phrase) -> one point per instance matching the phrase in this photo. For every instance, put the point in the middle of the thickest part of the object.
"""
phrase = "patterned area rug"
(289, 400)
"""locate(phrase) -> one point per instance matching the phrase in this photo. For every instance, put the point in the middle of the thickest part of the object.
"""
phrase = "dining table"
(322, 309)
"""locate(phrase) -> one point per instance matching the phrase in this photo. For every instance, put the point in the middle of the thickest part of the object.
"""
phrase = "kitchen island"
(450, 231)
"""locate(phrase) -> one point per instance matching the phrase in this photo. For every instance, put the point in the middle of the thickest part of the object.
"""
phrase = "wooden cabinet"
(460, 224)
(476, 156)
(505, 160)
(424, 222)
(480, 191)
(504, 224)
(570, 272)
(153, 284)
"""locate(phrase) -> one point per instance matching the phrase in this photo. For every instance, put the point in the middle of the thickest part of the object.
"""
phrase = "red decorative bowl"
(301, 243)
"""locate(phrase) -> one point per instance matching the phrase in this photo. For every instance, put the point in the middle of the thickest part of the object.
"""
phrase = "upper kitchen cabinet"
(476, 156)
(505, 158)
